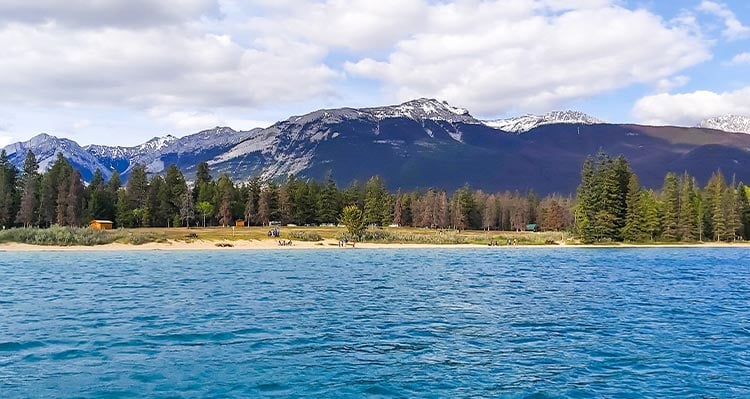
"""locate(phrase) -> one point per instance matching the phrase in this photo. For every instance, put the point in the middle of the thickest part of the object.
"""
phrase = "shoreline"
(328, 244)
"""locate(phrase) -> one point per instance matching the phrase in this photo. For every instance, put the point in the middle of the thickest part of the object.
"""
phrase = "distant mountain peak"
(522, 124)
(422, 109)
(728, 123)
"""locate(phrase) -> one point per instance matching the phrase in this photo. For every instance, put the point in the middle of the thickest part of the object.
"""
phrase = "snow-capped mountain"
(153, 145)
(528, 122)
(45, 147)
(423, 109)
(415, 145)
(727, 123)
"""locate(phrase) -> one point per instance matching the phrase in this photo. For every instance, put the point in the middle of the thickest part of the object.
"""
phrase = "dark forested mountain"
(420, 143)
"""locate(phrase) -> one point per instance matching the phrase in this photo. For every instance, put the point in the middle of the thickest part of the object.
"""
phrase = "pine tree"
(28, 213)
(75, 201)
(377, 204)
(175, 187)
(587, 202)
(651, 214)
(715, 190)
(671, 208)
(635, 229)
(688, 218)
(264, 206)
(743, 203)
(251, 204)
(8, 175)
(329, 204)
(202, 177)
(732, 213)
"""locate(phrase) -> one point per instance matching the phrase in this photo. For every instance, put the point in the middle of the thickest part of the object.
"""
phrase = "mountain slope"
(419, 144)
(45, 147)
(526, 123)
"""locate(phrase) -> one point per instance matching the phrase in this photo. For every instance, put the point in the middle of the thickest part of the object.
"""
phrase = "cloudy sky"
(123, 71)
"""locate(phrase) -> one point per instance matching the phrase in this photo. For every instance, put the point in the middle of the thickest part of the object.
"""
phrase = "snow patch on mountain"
(119, 152)
(423, 109)
(727, 123)
(46, 147)
(525, 123)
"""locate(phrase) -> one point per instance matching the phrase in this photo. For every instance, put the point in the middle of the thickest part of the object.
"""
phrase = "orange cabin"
(239, 223)
(101, 224)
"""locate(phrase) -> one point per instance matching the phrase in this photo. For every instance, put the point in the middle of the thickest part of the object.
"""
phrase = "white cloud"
(733, 28)
(192, 121)
(496, 56)
(740, 59)
(127, 13)
(690, 108)
(668, 84)
(169, 66)
(349, 24)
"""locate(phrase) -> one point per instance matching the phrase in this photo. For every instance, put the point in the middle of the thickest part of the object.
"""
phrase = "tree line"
(609, 205)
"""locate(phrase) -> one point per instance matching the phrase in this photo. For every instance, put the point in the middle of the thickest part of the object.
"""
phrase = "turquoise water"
(495, 322)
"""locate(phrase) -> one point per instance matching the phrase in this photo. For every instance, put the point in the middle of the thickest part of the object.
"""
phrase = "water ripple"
(641, 323)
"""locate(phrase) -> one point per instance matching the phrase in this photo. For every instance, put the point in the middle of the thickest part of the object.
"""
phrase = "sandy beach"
(328, 244)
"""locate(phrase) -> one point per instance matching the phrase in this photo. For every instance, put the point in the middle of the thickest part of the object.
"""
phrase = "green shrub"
(144, 238)
(57, 235)
(305, 236)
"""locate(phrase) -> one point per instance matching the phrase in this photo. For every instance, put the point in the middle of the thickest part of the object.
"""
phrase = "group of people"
(344, 242)
(495, 243)
(274, 232)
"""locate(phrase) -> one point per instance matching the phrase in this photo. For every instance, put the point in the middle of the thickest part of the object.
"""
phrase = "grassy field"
(403, 235)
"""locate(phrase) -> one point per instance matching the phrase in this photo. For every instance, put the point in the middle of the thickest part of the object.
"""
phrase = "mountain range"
(424, 143)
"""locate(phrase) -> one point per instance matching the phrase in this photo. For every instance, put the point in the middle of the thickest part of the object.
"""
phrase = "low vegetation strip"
(60, 236)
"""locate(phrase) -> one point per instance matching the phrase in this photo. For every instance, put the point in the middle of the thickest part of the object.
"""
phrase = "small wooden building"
(101, 224)
(239, 223)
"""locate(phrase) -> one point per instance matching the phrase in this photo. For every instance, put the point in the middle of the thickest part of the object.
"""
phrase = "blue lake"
(495, 322)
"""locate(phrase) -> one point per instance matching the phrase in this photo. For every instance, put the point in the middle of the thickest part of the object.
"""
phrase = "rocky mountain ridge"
(419, 143)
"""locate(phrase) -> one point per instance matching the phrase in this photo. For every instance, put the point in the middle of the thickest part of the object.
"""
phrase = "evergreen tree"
(743, 203)
(175, 187)
(8, 175)
(715, 190)
(28, 213)
(202, 178)
(377, 202)
(99, 202)
(731, 213)
(264, 206)
(588, 197)
(157, 203)
(636, 227)
(688, 219)
(75, 201)
(651, 221)
(671, 208)
(251, 208)
(329, 204)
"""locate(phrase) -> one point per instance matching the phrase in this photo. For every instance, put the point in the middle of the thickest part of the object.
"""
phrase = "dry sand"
(326, 244)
